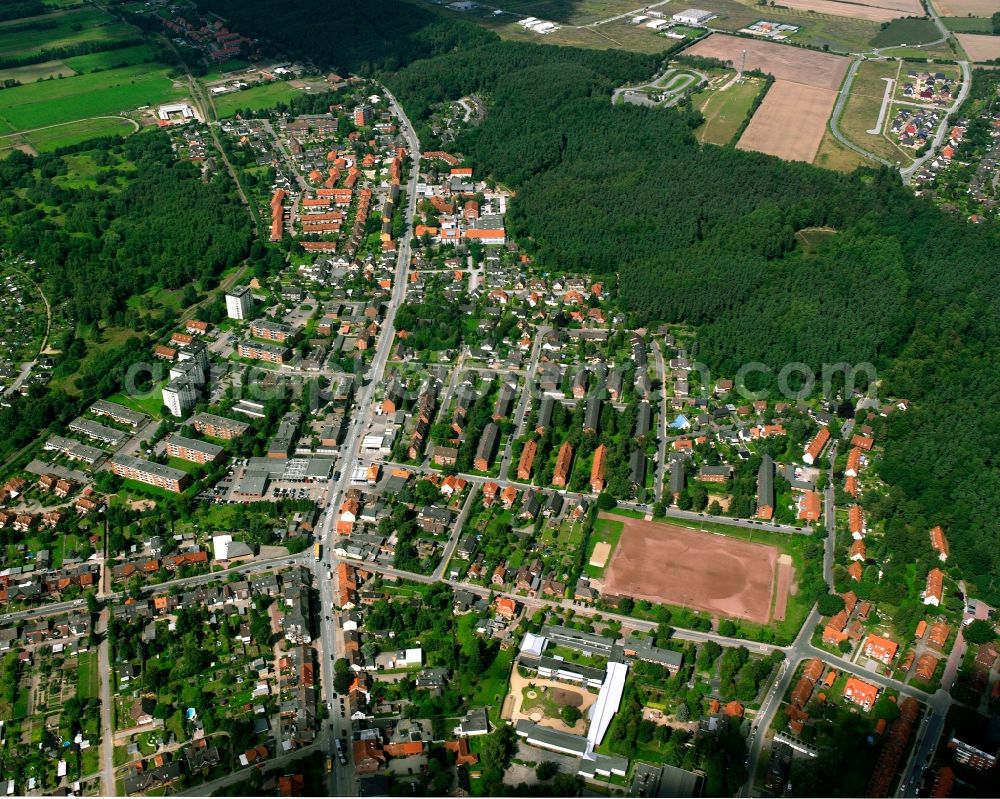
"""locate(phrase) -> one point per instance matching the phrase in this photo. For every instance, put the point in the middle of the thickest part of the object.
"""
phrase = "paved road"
(208, 788)
(456, 533)
(830, 521)
(772, 699)
(107, 721)
(661, 463)
(342, 781)
(838, 109)
(906, 173)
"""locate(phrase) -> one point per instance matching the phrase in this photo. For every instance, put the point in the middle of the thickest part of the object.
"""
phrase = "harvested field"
(855, 11)
(678, 566)
(979, 47)
(790, 122)
(808, 67)
(962, 8)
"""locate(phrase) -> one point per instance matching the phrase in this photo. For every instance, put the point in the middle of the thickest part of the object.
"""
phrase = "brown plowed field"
(674, 565)
(785, 62)
(790, 122)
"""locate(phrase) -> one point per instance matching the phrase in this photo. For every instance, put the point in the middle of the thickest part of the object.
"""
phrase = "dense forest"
(350, 36)
(152, 222)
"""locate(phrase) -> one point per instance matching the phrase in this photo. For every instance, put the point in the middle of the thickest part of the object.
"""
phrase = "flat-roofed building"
(272, 331)
(98, 432)
(180, 396)
(208, 424)
(239, 303)
(154, 474)
(119, 413)
(259, 351)
(193, 450)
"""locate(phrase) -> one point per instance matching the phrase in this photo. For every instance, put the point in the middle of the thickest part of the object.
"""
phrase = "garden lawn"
(150, 404)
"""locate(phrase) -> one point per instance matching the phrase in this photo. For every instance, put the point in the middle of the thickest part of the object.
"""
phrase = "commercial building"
(239, 303)
(693, 16)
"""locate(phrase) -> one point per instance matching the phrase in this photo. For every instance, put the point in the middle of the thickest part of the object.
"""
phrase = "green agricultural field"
(33, 72)
(84, 96)
(255, 98)
(76, 132)
(126, 56)
(725, 110)
(968, 24)
(24, 37)
(906, 31)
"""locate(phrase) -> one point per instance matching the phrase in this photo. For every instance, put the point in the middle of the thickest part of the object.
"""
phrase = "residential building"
(765, 488)
(560, 477)
(190, 449)
(148, 472)
(860, 693)
(239, 303)
(934, 592)
(816, 446)
(180, 396)
(208, 424)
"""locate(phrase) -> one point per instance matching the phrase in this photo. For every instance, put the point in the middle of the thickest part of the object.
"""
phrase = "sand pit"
(962, 8)
(790, 122)
(979, 47)
(600, 556)
(785, 62)
(674, 565)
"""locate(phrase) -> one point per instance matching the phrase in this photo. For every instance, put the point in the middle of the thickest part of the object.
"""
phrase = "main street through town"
(342, 781)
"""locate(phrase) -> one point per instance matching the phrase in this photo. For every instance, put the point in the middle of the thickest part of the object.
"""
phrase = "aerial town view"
(552, 398)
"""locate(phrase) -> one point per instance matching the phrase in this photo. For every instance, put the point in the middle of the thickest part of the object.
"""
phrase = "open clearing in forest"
(665, 563)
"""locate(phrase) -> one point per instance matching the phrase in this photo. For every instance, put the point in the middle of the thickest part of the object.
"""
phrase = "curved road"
(906, 173)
